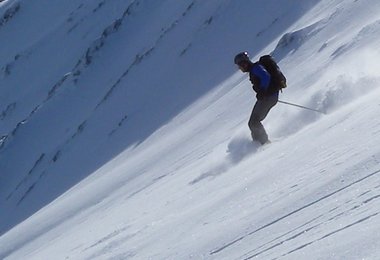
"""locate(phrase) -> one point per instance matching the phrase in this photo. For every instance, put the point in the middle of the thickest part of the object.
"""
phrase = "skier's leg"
(258, 132)
(259, 112)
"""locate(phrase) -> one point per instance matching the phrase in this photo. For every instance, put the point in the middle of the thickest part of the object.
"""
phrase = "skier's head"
(243, 61)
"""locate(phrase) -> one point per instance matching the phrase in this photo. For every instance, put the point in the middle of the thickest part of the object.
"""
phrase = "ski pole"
(308, 108)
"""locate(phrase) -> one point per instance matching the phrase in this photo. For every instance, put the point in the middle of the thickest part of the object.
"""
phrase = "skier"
(266, 95)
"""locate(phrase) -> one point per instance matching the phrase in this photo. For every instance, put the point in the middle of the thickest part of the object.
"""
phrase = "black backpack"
(278, 79)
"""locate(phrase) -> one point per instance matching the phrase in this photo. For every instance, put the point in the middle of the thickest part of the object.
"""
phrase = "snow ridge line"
(141, 56)
(218, 250)
(84, 62)
(10, 13)
(74, 73)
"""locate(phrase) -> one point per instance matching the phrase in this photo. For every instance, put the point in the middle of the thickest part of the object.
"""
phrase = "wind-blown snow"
(123, 130)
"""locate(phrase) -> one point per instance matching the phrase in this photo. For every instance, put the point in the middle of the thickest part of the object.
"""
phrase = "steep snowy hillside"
(124, 131)
(89, 79)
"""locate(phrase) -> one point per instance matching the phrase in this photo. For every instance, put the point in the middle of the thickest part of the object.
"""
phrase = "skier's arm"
(262, 75)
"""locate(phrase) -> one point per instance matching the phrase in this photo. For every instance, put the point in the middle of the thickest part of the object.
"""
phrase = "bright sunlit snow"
(123, 130)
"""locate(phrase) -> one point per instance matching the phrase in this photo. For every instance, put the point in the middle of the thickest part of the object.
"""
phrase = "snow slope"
(124, 131)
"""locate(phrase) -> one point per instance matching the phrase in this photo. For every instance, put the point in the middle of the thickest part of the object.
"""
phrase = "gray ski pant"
(259, 112)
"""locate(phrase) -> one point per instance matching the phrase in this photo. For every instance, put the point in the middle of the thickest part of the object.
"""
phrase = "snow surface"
(123, 130)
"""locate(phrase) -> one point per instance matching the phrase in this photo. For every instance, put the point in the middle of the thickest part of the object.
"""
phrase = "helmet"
(241, 57)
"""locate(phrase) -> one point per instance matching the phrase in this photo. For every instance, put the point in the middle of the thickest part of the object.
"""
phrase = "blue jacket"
(261, 81)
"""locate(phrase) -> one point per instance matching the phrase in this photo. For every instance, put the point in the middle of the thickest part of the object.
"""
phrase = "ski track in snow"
(303, 208)
(320, 220)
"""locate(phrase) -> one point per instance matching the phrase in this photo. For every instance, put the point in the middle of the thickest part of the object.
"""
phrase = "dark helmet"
(241, 57)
